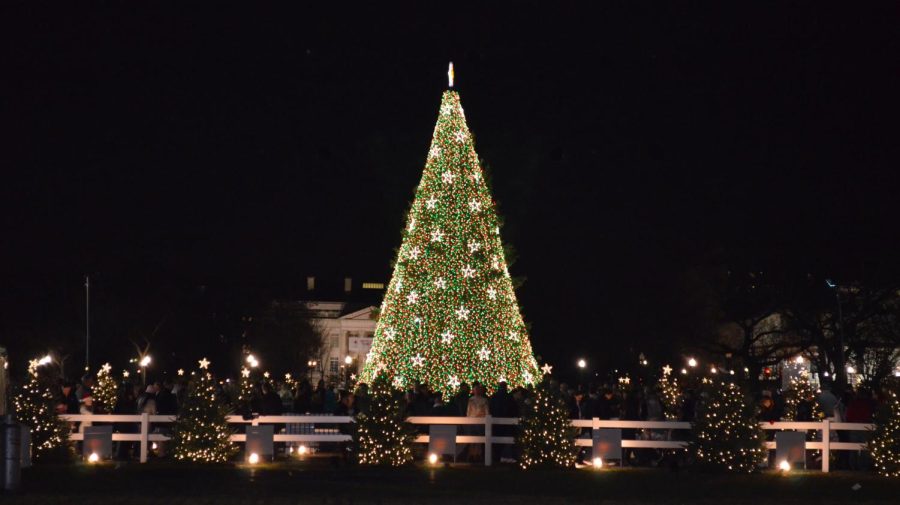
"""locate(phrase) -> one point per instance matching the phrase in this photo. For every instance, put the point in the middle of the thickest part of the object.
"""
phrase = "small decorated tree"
(800, 401)
(34, 407)
(105, 392)
(201, 432)
(244, 402)
(669, 393)
(726, 434)
(885, 442)
(548, 437)
(383, 437)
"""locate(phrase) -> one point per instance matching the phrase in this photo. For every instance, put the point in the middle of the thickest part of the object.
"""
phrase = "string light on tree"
(547, 438)
(885, 442)
(200, 432)
(726, 434)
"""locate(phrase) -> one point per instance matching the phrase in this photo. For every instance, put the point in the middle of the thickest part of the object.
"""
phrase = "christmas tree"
(34, 407)
(450, 314)
(669, 394)
(726, 434)
(244, 403)
(548, 437)
(201, 433)
(885, 442)
(105, 392)
(383, 437)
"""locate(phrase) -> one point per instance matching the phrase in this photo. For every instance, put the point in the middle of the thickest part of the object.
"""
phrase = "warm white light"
(93, 458)
(450, 74)
(798, 360)
(253, 459)
(784, 466)
(598, 463)
(692, 362)
(897, 372)
(684, 371)
(582, 363)
(45, 360)
(251, 358)
(825, 374)
(291, 450)
(154, 446)
(145, 361)
(302, 450)
(713, 370)
(348, 359)
(432, 458)
(850, 369)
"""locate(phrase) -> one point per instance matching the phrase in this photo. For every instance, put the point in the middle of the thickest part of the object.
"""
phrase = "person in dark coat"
(270, 402)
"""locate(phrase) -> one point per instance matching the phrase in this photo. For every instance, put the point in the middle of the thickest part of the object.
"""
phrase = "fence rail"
(826, 429)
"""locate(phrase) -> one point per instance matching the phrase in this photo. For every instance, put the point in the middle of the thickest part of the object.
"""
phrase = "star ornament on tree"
(245, 372)
(468, 272)
(390, 333)
(667, 370)
(460, 136)
(484, 353)
(474, 247)
(474, 205)
(414, 253)
(204, 363)
(440, 283)
(547, 369)
(447, 177)
(418, 360)
(431, 203)
(412, 297)
(106, 368)
(462, 313)
(437, 235)
(492, 293)
(446, 337)
(453, 381)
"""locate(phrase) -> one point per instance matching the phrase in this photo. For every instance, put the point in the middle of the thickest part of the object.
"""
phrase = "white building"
(347, 331)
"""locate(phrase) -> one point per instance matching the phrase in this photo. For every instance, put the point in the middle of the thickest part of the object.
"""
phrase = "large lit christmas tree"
(201, 432)
(450, 314)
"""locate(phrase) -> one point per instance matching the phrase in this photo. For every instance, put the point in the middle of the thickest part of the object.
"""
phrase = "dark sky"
(243, 149)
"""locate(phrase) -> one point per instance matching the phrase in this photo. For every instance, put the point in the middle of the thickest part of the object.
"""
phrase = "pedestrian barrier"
(827, 431)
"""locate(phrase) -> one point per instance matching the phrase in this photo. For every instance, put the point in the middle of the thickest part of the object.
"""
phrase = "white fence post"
(145, 436)
(487, 440)
(826, 445)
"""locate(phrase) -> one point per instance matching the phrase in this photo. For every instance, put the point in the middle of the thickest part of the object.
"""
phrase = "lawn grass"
(327, 481)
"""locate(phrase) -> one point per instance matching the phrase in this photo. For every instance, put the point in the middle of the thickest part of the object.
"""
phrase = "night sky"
(231, 150)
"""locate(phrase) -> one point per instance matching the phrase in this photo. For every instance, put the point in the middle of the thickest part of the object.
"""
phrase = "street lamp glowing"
(784, 466)
(45, 360)
(597, 463)
(433, 458)
(93, 458)
(251, 360)
(348, 359)
(692, 362)
(145, 361)
(253, 459)
(582, 363)
(302, 450)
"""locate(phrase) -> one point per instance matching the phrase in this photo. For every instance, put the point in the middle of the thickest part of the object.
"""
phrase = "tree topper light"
(450, 74)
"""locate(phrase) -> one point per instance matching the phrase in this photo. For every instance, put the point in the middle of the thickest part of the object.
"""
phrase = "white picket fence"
(145, 437)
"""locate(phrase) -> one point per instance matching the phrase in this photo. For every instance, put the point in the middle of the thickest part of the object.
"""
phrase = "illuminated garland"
(885, 442)
(34, 407)
(726, 434)
(450, 314)
(383, 437)
(547, 437)
(201, 432)
(105, 392)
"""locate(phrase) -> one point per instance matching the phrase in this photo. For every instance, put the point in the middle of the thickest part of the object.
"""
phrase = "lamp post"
(840, 368)
(145, 361)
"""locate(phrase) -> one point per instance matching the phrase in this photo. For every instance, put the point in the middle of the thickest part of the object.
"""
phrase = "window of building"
(373, 285)
(310, 283)
(333, 365)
